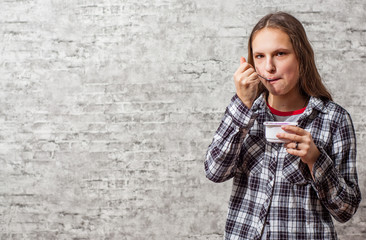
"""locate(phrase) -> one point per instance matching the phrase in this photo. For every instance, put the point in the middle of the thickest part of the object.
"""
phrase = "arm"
(333, 171)
(335, 176)
(223, 153)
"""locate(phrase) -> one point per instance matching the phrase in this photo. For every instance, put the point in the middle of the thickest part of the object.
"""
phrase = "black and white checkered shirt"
(274, 189)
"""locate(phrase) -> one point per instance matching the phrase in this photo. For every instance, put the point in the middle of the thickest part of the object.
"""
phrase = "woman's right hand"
(246, 82)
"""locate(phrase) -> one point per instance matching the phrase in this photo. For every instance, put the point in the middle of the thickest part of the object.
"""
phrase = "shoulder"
(327, 107)
(337, 114)
(335, 107)
(329, 111)
(336, 110)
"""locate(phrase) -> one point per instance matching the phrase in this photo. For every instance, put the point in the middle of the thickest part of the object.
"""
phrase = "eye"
(281, 54)
(259, 56)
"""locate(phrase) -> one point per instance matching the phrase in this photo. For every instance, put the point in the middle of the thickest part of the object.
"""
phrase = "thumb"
(242, 60)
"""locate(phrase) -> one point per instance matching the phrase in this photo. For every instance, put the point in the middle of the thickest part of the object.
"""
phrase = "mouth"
(269, 79)
(272, 80)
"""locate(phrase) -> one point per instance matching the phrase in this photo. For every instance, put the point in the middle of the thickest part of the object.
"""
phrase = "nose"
(270, 65)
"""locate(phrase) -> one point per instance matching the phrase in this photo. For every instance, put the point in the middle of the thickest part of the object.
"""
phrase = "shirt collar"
(317, 104)
(259, 103)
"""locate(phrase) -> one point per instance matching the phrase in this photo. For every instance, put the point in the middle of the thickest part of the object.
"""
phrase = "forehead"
(270, 39)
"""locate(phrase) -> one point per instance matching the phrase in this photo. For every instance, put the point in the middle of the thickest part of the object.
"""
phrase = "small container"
(272, 128)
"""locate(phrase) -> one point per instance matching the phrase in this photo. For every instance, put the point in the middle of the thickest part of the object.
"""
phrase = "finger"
(295, 152)
(289, 137)
(242, 60)
(248, 72)
(292, 145)
(294, 129)
(253, 77)
(249, 76)
(242, 68)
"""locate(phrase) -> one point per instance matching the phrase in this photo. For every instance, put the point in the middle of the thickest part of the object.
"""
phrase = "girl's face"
(275, 59)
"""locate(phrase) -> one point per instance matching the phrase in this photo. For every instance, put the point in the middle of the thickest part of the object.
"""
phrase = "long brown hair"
(310, 82)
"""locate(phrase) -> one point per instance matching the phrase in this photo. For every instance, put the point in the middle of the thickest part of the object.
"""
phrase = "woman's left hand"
(300, 143)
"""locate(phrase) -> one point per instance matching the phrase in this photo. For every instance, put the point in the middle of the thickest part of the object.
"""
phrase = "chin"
(274, 93)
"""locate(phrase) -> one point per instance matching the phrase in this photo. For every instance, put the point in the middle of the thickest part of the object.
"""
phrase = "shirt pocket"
(295, 171)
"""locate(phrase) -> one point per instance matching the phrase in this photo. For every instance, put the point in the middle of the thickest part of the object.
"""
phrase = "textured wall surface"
(108, 106)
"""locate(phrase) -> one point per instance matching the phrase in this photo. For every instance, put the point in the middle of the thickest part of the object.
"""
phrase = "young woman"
(284, 190)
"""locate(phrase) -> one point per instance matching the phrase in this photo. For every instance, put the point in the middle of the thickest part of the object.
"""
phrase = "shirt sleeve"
(224, 150)
(335, 175)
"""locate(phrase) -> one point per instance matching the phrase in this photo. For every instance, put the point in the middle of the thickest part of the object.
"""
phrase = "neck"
(287, 103)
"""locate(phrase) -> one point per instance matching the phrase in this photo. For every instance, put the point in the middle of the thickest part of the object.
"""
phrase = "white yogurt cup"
(272, 128)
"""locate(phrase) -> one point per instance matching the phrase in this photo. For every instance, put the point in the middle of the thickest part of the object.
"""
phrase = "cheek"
(291, 70)
(258, 67)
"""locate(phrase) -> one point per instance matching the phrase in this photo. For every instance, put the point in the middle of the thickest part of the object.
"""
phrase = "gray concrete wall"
(107, 109)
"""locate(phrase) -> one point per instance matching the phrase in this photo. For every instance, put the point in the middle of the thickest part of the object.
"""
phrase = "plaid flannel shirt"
(275, 189)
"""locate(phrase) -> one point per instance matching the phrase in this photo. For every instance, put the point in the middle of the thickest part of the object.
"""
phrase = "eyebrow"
(277, 50)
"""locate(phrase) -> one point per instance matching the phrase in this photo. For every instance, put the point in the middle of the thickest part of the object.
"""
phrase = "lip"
(270, 79)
